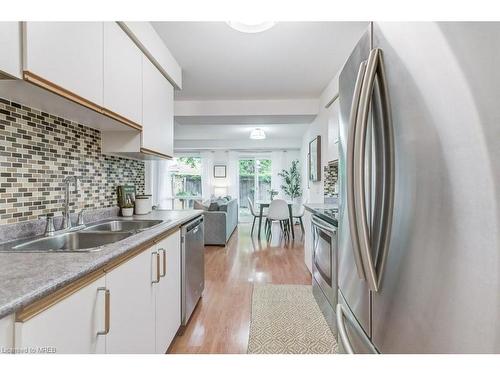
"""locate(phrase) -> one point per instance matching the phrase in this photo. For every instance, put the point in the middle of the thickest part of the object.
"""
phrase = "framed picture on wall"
(315, 159)
(219, 171)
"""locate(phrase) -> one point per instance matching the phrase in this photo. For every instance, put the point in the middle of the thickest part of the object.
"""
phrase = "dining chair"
(298, 212)
(278, 211)
(254, 214)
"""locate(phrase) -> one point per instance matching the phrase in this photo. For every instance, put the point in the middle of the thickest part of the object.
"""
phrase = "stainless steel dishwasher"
(192, 266)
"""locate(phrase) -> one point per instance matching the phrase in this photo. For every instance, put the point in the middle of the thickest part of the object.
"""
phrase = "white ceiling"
(291, 60)
(228, 132)
(237, 137)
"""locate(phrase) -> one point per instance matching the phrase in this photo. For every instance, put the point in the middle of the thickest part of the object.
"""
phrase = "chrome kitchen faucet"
(66, 216)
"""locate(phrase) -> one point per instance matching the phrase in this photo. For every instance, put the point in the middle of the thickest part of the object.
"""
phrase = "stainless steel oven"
(324, 266)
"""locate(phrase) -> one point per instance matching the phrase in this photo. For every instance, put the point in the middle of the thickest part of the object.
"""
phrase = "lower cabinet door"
(69, 326)
(132, 305)
(168, 292)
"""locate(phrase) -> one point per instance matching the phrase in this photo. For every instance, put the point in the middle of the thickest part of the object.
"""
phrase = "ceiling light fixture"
(257, 133)
(250, 26)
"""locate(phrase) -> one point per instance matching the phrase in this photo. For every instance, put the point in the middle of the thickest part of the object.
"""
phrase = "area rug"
(287, 320)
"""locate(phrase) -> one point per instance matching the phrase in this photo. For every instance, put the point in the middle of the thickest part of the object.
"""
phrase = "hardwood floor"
(221, 321)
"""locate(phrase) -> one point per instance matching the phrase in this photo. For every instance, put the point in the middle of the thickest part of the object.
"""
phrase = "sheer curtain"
(157, 183)
(233, 175)
(207, 167)
(277, 165)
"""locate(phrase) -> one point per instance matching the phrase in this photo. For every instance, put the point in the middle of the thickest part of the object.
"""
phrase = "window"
(255, 182)
(185, 180)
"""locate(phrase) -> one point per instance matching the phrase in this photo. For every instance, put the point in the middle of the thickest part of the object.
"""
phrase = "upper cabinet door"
(122, 74)
(157, 110)
(68, 54)
(10, 45)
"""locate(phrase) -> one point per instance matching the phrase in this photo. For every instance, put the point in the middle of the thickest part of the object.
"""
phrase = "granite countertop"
(27, 277)
(324, 211)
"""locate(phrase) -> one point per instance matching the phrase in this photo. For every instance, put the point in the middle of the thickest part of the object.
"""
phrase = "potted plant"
(291, 185)
(128, 209)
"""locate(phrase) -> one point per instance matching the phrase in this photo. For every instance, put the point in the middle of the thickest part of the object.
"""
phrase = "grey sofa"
(220, 224)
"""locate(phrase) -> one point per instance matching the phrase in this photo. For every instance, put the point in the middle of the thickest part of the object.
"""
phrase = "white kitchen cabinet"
(122, 74)
(152, 45)
(6, 333)
(157, 111)
(132, 295)
(332, 151)
(308, 241)
(168, 292)
(68, 54)
(141, 298)
(69, 326)
(10, 45)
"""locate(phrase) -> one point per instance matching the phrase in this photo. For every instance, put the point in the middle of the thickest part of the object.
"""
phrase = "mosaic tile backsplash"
(38, 150)
(331, 178)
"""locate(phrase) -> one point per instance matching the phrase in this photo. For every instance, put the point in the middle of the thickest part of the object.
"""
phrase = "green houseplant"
(291, 180)
(128, 209)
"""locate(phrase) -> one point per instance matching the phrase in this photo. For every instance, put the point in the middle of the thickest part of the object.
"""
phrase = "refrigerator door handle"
(350, 171)
(386, 213)
(374, 270)
(341, 329)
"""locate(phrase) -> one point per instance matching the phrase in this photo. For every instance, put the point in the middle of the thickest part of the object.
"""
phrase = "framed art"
(315, 159)
(219, 171)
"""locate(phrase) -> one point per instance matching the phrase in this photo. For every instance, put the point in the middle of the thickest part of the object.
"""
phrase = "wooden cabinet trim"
(44, 303)
(58, 90)
(35, 308)
(155, 153)
(121, 119)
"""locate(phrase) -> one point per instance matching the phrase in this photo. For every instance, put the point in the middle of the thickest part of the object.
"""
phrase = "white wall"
(325, 125)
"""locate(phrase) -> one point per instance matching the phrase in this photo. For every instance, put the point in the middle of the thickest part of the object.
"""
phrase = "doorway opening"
(255, 175)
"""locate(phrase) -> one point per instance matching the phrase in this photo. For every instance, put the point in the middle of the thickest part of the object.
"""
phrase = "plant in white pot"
(128, 209)
(291, 184)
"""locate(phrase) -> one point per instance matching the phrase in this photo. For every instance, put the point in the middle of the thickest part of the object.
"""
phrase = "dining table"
(264, 204)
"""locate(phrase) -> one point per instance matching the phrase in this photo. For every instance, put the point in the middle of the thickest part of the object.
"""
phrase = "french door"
(255, 182)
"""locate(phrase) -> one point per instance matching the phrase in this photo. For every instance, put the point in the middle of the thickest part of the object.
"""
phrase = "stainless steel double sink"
(92, 237)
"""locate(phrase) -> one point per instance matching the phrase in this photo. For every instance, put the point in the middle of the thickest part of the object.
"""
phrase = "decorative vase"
(127, 211)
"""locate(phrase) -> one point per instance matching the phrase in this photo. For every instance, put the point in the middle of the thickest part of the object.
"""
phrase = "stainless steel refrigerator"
(419, 239)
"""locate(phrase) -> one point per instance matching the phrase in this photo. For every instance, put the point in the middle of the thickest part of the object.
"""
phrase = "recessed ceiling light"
(251, 27)
(257, 133)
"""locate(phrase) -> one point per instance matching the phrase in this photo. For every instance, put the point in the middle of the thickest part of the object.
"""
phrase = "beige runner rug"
(287, 320)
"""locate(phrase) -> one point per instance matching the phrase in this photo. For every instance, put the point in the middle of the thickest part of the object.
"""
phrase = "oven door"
(325, 258)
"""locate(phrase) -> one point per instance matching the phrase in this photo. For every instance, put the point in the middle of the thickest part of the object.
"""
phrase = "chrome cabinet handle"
(164, 262)
(341, 329)
(384, 216)
(107, 310)
(351, 208)
(157, 256)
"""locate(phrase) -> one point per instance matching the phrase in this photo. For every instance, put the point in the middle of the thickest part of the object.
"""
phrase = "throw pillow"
(214, 206)
(197, 205)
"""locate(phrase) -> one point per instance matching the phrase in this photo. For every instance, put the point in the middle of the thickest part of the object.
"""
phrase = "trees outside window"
(185, 176)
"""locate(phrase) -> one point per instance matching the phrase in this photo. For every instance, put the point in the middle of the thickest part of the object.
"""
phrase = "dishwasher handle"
(194, 225)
